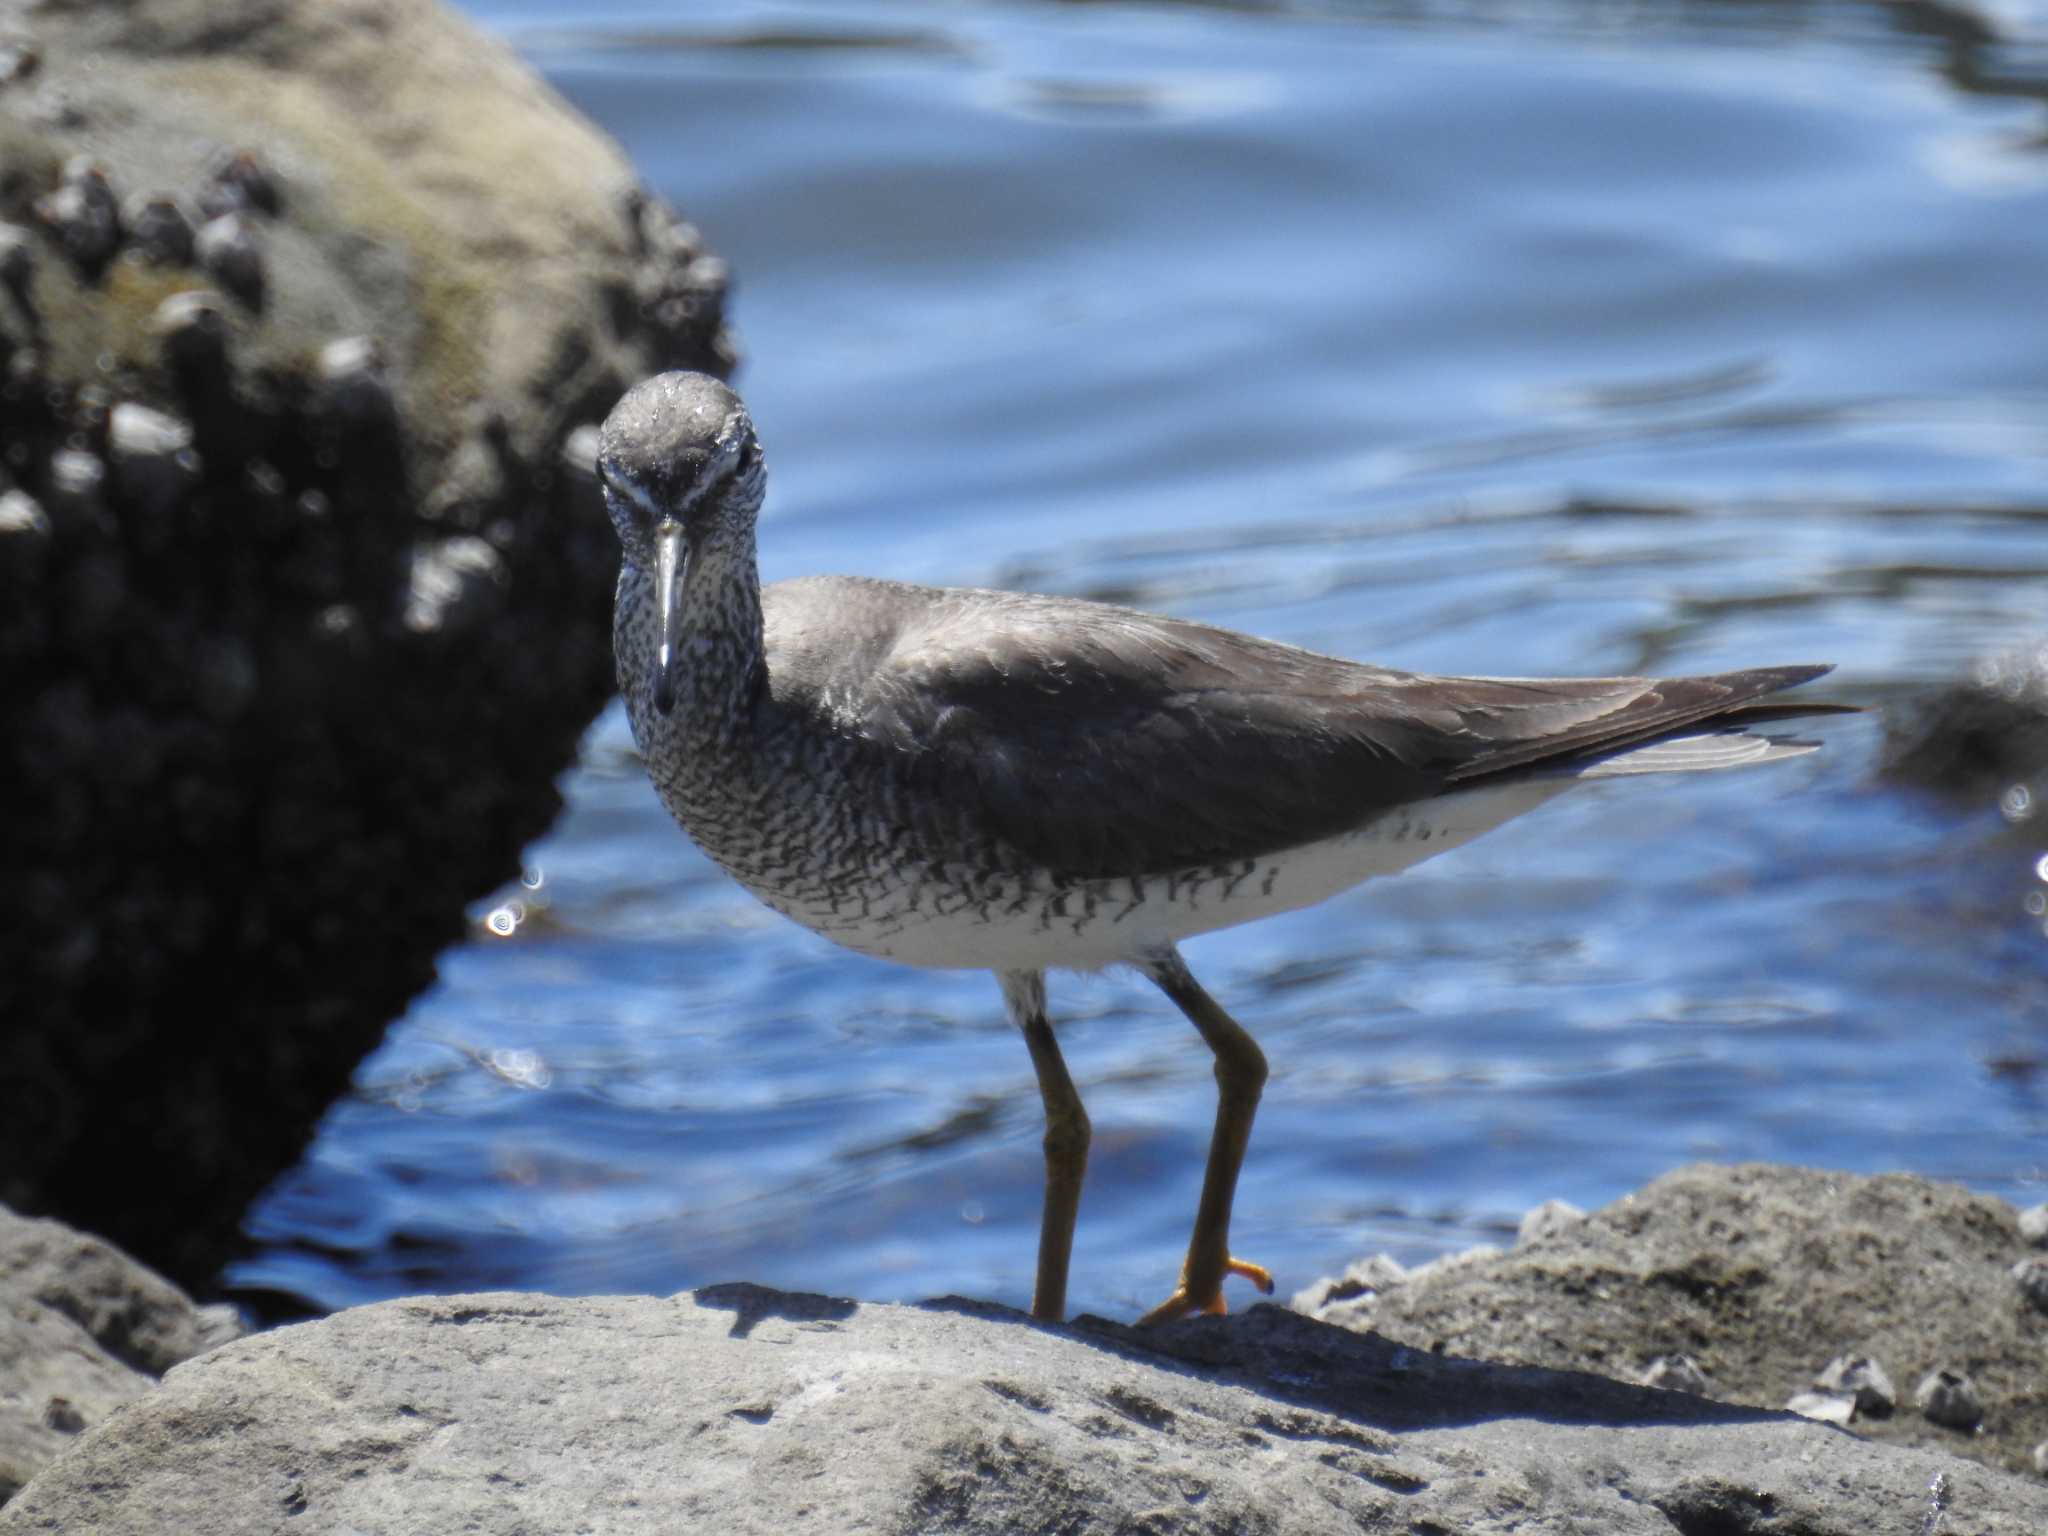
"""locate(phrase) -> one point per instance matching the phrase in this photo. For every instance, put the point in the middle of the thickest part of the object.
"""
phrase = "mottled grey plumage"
(988, 779)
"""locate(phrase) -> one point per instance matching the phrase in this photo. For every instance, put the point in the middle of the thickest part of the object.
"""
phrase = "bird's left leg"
(1240, 1075)
(1066, 1141)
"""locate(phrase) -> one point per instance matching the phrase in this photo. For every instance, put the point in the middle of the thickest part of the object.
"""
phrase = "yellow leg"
(1240, 1076)
(1066, 1142)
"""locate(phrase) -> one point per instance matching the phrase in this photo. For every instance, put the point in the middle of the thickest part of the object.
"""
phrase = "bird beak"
(671, 564)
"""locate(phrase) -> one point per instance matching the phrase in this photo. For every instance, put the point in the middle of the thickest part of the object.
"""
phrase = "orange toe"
(1183, 1302)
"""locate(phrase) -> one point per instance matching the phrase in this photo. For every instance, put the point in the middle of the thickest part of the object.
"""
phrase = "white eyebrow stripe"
(631, 490)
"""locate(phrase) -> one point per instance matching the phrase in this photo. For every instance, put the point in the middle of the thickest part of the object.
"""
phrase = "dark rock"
(1754, 1270)
(1949, 1398)
(758, 1412)
(262, 746)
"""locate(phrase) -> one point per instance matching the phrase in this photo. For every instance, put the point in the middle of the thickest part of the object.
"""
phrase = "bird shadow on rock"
(1372, 1380)
(752, 1303)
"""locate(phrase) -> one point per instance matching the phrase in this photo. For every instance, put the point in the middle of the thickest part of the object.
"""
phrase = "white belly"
(1102, 923)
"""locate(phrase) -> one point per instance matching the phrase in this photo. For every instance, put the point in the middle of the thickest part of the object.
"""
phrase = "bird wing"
(1103, 742)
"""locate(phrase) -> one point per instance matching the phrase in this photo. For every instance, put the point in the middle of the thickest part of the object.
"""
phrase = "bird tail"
(1694, 753)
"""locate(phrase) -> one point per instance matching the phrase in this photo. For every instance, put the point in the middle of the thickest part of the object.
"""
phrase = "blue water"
(1534, 338)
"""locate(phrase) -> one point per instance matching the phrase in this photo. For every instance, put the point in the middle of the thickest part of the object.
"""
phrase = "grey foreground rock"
(742, 1410)
(1764, 1275)
(83, 1329)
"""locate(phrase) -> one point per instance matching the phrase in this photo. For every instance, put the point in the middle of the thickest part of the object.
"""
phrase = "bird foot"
(1183, 1301)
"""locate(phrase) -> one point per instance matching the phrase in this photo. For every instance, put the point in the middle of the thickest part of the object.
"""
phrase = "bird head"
(682, 473)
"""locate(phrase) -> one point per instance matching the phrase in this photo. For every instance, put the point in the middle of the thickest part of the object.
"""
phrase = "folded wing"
(1102, 742)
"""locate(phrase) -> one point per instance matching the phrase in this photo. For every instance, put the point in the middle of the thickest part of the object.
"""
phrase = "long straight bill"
(670, 560)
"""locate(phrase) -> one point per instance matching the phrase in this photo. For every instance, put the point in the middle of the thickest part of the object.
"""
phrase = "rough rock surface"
(307, 313)
(83, 1329)
(743, 1410)
(1763, 1275)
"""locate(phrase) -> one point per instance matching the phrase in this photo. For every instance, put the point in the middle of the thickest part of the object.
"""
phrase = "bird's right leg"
(1066, 1141)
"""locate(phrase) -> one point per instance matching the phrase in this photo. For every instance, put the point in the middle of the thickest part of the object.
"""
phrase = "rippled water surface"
(1529, 338)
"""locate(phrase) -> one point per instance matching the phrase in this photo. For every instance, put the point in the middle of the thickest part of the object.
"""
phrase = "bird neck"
(720, 664)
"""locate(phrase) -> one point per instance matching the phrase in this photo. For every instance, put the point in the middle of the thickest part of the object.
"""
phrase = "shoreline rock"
(747, 1410)
(1771, 1282)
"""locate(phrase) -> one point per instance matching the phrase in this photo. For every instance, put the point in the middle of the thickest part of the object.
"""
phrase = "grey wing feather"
(1103, 742)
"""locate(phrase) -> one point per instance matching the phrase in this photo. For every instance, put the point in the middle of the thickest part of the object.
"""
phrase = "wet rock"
(1677, 1373)
(1547, 1220)
(1863, 1381)
(757, 1412)
(1949, 1398)
(230, 251)
(1749, 1269)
